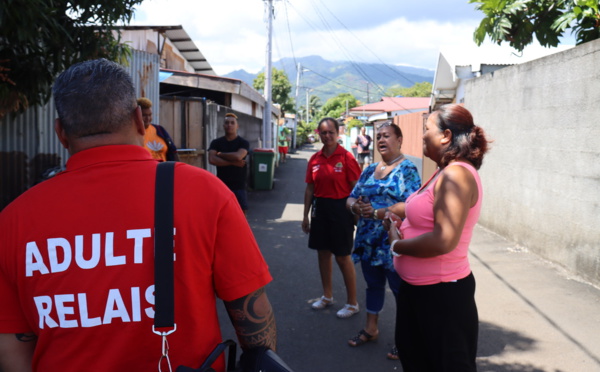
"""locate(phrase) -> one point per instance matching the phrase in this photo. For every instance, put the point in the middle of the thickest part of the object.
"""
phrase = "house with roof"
(393, 108)
(166, 66)
(184, 71)
(389, 107)
(193, 99)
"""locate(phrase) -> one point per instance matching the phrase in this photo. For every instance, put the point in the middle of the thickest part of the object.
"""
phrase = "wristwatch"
(375, 215)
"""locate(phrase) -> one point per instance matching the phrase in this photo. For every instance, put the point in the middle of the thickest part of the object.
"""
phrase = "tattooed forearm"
(253, 320)
(26, 337)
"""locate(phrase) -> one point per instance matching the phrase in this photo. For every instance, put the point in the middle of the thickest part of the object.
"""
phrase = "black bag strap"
(219, 349)
(164, 289)
(164, 305)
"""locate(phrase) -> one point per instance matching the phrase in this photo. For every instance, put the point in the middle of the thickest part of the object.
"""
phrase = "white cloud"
(232, 33)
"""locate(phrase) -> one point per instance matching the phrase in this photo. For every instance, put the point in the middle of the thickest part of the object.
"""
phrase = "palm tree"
(314, 105)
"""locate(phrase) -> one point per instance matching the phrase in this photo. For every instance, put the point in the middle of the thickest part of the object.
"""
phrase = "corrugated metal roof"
(182, 41)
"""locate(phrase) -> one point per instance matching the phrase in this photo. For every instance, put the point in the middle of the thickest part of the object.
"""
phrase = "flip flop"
(393, 354)
(357, 340)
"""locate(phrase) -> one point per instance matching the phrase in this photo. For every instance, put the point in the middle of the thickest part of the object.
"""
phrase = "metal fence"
(29, 147)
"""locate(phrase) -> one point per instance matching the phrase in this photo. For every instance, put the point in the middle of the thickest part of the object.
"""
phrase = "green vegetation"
(354, 123)
(280, 88)
(418, 90)
(39, 39)
(517, 21)
(304, 130)
(336, 106)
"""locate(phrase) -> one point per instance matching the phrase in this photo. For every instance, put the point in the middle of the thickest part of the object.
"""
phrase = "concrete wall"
(542, 176)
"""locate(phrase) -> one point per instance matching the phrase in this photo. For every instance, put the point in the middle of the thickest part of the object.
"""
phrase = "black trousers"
(437, 326)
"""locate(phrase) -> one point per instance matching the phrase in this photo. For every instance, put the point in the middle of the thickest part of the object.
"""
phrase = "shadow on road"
(316, 341)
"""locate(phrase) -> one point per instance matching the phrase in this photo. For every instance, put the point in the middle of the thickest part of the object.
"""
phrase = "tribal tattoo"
(253, 320)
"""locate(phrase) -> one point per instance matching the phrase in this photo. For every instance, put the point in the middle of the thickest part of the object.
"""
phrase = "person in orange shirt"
(156, 140)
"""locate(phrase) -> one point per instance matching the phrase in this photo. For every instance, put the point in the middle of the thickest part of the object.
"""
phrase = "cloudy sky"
(232, 34)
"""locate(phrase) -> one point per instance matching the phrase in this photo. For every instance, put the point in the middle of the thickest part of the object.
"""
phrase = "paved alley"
(533, 316)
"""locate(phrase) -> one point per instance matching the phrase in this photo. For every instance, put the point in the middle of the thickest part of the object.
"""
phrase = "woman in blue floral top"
(382, 187)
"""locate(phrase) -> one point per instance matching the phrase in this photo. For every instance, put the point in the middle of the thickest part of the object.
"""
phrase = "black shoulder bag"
(259, 359)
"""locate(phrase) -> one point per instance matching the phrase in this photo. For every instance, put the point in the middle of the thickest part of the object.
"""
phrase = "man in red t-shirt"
(77, 251)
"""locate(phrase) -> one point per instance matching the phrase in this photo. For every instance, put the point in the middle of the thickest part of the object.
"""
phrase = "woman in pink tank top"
(436, 320)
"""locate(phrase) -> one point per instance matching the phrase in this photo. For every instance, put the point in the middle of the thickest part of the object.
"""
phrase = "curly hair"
(468, 140)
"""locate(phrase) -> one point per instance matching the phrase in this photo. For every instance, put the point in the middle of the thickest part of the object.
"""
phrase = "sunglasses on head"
(385, 124)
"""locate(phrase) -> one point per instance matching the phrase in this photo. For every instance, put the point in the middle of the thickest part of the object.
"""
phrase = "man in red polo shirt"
(77, 251)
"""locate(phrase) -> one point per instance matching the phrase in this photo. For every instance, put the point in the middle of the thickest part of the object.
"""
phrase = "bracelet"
(352, 208)
(375, 215)
(392, 248)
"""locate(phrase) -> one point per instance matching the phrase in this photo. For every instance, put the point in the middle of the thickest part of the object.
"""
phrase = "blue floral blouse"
(371, 240)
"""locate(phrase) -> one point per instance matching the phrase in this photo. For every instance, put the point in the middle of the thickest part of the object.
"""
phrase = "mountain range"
(326, 79)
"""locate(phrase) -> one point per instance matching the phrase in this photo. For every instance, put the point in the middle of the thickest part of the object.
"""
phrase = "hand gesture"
(365, 209)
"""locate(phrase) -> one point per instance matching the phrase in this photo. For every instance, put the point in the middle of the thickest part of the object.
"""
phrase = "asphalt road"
(534, 316)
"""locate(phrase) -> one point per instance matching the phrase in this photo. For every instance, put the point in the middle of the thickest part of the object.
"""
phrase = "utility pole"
(368, 98)
(296, 102)
(267, 127)
(307, 107)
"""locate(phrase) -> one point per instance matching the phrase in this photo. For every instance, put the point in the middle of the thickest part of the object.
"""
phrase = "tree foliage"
(314, 106)
(354, 123)
(418, 90)
(517, 21)
(281, 88)
(336, 106)
(41, 38)
(304, 130)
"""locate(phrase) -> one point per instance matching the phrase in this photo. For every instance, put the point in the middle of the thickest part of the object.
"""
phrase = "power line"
(333, 81)
(287, 21)
(351, 60)
(366, 46)
(341, 47)
(345, 51)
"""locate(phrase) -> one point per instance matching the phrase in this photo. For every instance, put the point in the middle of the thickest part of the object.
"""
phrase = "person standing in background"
(228, 154)
(283, 143)
(156, 140)
(363, 141)
(330, 176)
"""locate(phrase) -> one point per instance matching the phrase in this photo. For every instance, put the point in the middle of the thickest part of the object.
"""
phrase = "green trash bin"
(263, 168)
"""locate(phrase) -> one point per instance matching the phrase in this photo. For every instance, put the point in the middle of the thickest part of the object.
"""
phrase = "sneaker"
(347, 311)
(322, 303)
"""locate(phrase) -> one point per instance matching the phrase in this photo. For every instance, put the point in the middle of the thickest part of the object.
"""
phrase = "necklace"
(391, 162)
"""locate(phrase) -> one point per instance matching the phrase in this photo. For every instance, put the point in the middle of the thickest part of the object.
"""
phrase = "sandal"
(347, 311)
(393, 354)
(322, 303)
(358, 340)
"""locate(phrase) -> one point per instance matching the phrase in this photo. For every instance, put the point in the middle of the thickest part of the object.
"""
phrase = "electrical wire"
(367, 47)
(340, 45)
(342, 48)
(287, 21)
(349, 57)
